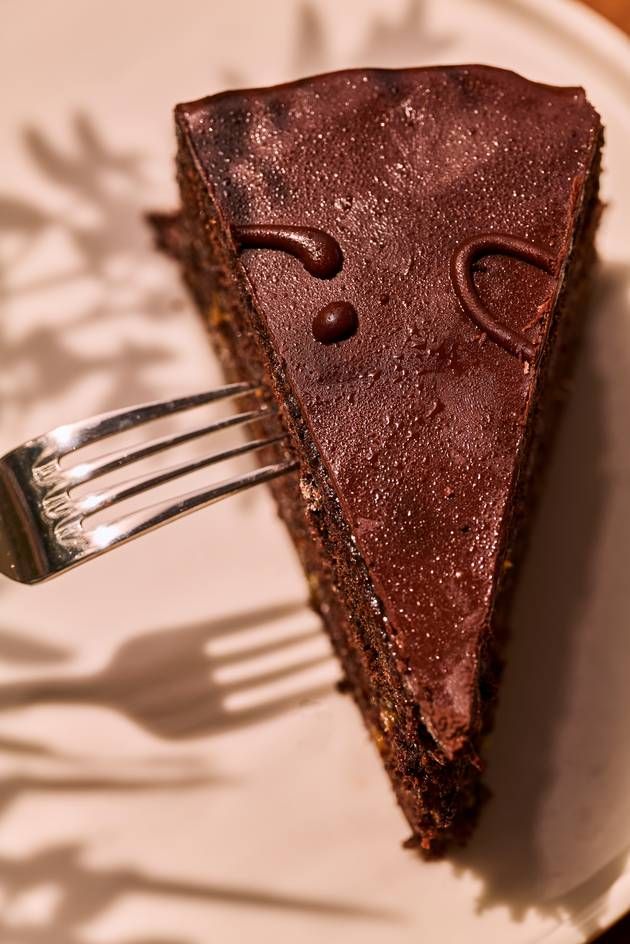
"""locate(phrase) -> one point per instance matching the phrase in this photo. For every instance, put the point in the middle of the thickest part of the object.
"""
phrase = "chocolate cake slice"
(400, 259)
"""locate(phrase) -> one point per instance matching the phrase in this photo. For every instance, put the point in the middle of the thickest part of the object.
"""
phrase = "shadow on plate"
(569, 661)
(101, 225)
(405, 40)
(551, 837)
(163, 680)
(84, 892)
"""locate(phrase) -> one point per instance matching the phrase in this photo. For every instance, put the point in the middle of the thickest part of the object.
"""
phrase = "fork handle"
(50, 690)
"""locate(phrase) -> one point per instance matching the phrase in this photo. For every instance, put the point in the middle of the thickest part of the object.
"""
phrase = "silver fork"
(44, 527)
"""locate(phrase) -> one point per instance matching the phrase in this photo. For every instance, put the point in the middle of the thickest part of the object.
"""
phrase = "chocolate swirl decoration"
(319, 253)
(462, 262)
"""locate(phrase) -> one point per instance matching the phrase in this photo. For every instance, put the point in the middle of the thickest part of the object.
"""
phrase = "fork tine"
(90, 504)
(43, 531)
(87, 471)
(104, 537)
(72, 436)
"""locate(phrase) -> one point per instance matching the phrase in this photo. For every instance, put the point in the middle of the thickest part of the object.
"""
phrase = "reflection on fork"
(166, 681)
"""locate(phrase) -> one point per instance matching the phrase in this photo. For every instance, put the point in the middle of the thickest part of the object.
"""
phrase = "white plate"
(135, 804)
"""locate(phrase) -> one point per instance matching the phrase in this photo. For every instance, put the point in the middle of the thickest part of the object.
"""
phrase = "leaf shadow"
(85, 892)
(407, 40)
(97, 212)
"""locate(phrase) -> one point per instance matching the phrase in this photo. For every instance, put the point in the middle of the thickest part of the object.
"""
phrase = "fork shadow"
(560, 783)
(163, 680)
(19, 649)
(159, 682)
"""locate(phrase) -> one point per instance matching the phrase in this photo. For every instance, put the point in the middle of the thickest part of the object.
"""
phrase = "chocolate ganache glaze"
(417, 422)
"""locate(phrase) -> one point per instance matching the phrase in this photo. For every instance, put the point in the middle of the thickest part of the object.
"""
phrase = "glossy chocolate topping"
(462, 264)
(318, 252)
(419, 417)
(336, 322)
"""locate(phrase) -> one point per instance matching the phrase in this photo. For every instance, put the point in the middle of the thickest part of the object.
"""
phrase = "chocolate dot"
(335, 322)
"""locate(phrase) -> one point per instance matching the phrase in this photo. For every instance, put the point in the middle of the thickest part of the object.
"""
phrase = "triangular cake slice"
(401, 258)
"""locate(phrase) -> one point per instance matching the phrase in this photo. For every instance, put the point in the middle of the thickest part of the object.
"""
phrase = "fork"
(45, 528)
